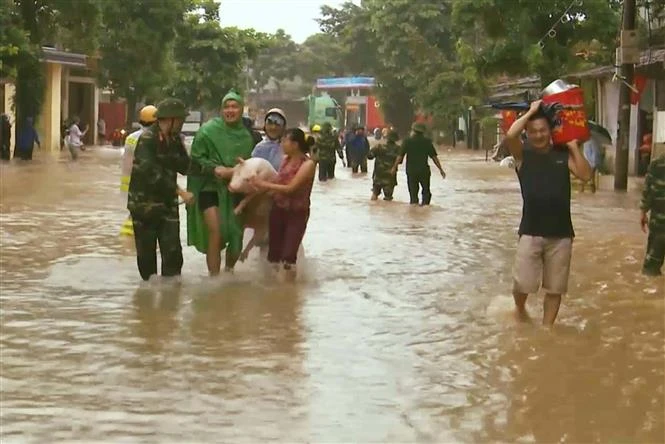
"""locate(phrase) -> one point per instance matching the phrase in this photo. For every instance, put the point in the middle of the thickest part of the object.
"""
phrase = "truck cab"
(324, 109)
(193, 122)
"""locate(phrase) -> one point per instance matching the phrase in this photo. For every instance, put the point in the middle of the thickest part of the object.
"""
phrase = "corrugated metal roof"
(647, 57)
(525, 82)
(599, 71)
(53, 55)
(523, 85)
(652, 56)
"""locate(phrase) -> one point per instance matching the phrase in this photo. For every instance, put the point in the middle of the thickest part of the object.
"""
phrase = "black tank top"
(545, 182)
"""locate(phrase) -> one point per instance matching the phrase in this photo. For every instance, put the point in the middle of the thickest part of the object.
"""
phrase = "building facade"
(70, 90)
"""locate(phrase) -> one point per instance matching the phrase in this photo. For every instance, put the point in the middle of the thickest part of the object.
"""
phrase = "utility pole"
(629, 55)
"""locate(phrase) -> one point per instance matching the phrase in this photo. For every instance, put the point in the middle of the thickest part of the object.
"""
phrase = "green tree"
(13, 40)
(137, 47)
(44, 22)
(518, 41)
(419, 45)
(319, 56)
(352, 27)
(209, 59)
(276, 60)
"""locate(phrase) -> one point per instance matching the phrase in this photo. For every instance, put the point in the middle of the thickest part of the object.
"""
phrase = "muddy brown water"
(398, 330)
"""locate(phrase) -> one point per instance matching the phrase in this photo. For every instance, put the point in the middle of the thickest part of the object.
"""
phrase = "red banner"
(508, 118)
(639, 83)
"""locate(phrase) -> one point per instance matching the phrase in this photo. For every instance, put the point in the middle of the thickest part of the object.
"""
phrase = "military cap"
(171, 108)
(419, 127)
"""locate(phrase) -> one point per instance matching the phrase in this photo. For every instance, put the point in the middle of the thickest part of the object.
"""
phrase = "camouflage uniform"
(385, 156)
(152, 200)
(653, 202)
(326, 147)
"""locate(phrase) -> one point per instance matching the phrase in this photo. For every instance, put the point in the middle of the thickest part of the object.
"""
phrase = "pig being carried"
(254, 209)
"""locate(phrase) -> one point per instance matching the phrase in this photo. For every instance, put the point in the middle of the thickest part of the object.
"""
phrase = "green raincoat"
(217, 143)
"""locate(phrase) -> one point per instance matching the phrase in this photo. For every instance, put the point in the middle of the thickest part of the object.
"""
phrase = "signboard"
(345, 82)
(356, 100)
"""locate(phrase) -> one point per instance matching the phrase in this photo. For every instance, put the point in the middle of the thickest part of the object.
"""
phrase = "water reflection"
(156, 312)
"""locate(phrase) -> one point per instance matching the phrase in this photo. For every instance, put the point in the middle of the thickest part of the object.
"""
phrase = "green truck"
(322, 109)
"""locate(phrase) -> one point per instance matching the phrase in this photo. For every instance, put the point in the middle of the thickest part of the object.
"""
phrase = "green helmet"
(171, 109)
(326, 127)
(392, 136)
(419, 127)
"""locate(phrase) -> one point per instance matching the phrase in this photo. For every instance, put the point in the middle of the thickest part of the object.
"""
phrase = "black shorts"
(209, 199)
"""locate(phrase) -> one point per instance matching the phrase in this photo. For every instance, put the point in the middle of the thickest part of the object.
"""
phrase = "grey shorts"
(74, 151)
(541, 260)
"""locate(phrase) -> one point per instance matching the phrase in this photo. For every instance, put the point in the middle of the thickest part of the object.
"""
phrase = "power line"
(562, 20)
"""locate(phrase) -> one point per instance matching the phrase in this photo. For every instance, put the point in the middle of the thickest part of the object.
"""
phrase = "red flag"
(508, 118)
(639, 83)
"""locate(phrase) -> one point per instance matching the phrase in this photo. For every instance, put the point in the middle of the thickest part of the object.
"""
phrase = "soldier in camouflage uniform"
(653, 215)
(326, 147)
(384, 178)
(153, 191)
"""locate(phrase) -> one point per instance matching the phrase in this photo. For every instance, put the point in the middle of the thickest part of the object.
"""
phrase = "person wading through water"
(327, 146)
(153, 191)
(5, 137)
(385, 156)
(270, 148)
(418, 149)
(546, 230)
(211, 223)
(292, 190)
(653, 217)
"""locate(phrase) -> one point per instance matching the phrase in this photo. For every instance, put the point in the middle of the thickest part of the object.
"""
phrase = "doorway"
(81, 104)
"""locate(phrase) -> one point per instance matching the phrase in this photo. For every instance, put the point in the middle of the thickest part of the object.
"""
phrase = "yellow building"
(70, 90)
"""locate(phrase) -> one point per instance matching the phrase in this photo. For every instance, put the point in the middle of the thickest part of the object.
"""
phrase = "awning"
(52, 55)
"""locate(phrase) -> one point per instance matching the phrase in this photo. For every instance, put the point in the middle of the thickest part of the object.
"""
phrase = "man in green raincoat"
(211, 224)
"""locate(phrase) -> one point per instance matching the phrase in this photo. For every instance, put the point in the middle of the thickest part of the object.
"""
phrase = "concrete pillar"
(50, 116)
(10, 91)
(95, 112)
(658, 134)
(65, 94)
(633, 140)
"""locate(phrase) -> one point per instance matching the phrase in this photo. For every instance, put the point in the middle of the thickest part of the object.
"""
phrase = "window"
(331, 112)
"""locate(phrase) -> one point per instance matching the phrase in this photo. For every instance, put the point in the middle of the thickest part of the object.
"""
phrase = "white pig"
(256, 205)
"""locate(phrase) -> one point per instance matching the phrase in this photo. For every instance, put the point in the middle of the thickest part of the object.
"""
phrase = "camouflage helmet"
(171, 109)
(392, 136)
(419, 127)
(326, 127)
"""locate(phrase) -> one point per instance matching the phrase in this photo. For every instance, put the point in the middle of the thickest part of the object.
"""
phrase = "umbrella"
(598, 132)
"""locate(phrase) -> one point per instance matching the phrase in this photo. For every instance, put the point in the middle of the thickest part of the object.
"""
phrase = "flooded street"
(399, 329)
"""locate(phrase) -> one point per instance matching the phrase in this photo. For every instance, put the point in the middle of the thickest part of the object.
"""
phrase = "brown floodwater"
(399, 328)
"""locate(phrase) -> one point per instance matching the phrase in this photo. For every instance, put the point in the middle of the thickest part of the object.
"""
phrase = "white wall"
(610, 117)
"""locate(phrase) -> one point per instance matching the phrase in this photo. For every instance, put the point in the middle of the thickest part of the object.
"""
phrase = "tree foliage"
(320, 55)
(14, 40)
(35, 23)
(361, 54)
(517, 39)
(136, 53)
(209, 58)
(277, 59)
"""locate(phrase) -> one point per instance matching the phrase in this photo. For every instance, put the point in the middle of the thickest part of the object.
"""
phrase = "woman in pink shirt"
(292, 190)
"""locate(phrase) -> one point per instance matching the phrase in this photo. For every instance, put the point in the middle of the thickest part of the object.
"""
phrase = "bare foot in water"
(521, 315)
(289, 273)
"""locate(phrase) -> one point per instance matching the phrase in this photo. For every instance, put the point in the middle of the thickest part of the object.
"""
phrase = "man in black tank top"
(546, 230)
